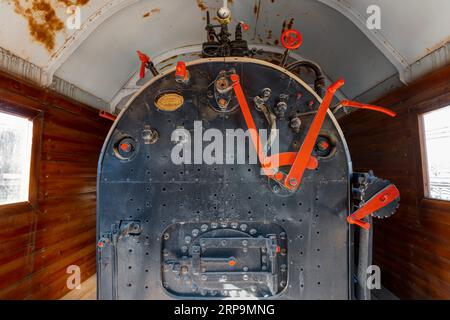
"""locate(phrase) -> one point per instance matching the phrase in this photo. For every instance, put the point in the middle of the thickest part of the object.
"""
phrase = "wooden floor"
(88, 291)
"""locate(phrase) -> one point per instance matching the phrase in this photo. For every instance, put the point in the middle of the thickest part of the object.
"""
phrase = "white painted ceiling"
(97, 64)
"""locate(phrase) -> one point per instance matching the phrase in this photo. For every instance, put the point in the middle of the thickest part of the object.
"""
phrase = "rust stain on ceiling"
(74, 2)
(148, 14)
(43, 21)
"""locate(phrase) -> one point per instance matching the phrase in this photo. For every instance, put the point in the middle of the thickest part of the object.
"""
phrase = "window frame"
(426, 200)
(35, 115)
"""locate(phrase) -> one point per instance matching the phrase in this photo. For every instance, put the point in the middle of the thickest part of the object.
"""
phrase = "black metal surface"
(165, 202)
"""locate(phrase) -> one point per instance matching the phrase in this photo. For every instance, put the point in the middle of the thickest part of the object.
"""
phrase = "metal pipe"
(319, 83)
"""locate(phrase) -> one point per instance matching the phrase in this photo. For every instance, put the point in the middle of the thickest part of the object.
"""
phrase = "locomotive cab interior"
(223, 150)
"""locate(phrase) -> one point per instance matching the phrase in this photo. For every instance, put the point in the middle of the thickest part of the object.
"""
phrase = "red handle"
(359, 105)
(144, 60)
(291, 39)
(380, 200)
(240, 96)
(181, 72)
(273, 163)
(302, 159)
(107, 115)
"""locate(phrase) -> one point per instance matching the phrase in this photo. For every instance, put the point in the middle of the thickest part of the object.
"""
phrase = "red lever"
(359, 105)
(144, 60)
(291, 39)
(107, 115)
(302, 159)
(250, 123)
(380, 200)
(270, 164)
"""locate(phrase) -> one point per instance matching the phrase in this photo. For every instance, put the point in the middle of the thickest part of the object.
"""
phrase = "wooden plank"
(39, 240)
(412, 246)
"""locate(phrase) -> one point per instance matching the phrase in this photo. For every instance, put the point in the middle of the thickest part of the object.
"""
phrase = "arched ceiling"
(97, 64)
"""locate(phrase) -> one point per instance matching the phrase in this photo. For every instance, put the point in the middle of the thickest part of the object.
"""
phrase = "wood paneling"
(57, 228)
(412, 247)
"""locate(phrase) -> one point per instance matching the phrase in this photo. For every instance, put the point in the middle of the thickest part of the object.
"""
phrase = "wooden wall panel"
(412, 247)
(38, 244)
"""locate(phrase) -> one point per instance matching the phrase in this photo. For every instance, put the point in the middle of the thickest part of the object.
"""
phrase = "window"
(16, 135)
(435, 143)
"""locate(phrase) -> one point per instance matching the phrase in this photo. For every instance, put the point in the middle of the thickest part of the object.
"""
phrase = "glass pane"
(15, 156)
(437, 141)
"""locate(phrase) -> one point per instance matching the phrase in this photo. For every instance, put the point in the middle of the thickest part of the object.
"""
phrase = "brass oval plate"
(169, 101)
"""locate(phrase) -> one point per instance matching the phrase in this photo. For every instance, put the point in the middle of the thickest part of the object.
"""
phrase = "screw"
(204, 277)
(293, 182)
(214, 225)
(195, 249)
(243, 227)
(253, 232)
(204, 227)
(295, 124)
(244, 242)
(195, 232)
(245, 269)
(184, 249)
(187, 239)
(266, 93)
(166, 236)
(283, 268)
(245, 277)
(234, 225)
(184, 269)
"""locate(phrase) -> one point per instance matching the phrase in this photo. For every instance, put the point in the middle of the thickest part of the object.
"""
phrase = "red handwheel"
(291, 39)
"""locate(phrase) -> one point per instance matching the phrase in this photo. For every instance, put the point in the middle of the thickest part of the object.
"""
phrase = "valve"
(181, 73)
(146, 63)
(244, 26)
(291, 40)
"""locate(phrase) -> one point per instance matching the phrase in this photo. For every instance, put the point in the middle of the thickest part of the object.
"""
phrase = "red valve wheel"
(291, 39)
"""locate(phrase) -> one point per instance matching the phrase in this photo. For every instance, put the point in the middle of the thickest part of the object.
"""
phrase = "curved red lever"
(144, 60)
(380, 200)
(294, 177)
(359, 105)
(291, 39)
(271, 164)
